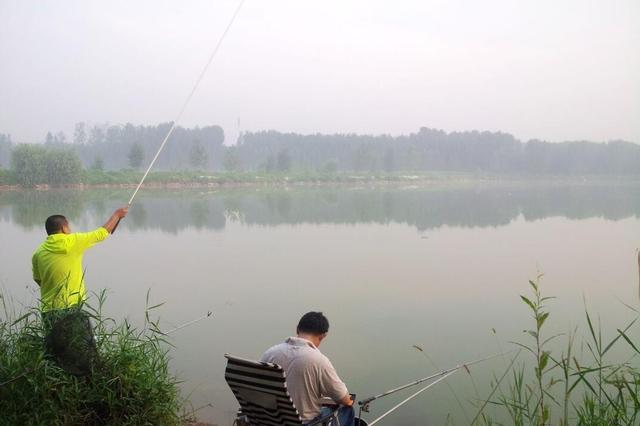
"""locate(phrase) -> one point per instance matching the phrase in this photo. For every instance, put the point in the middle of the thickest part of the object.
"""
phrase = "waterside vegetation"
(583, 384)
(130, 385)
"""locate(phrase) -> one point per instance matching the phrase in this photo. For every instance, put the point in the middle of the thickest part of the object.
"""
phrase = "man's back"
(310, 375)
(57, 267)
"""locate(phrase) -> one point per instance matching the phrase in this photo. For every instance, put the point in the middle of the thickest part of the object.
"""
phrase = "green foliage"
(563, 388)
(284, 161)
(136, 155)
(36, 164)
(198, 156)
(231, 160)
(63, 167)
(5, 150)
(130, 385)
(7, 177)
(98, 163)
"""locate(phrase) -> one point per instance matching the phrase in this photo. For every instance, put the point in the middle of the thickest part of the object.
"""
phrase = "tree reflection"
(422, 208)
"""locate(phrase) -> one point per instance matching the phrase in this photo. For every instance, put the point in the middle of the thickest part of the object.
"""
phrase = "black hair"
(54, 224)
(313, 323)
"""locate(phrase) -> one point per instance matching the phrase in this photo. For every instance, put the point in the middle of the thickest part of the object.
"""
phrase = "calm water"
(390, 267)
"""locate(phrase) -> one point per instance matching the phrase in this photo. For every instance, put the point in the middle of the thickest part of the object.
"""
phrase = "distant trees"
(5, 150)
(80, 134)
(98, 163)
(231, 160)
(124, 146)
(114, 144)
(36, 164)
(436, 150)
(284, 161)
(136, 155)
(198, 156)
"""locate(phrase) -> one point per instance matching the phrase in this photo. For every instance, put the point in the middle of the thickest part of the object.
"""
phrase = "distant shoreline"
(189, 180)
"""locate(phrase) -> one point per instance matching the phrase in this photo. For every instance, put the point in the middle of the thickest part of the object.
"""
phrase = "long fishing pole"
(185, 104)
(365, 402)
(395, 407)
(180, 327)
(188, 323)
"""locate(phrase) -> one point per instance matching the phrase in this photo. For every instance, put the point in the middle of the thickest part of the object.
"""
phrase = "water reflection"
(422, 208)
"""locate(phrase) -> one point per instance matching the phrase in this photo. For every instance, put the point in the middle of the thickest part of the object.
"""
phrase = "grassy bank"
(119, 178)
(222, 178)
(583, 384)
(130, 384)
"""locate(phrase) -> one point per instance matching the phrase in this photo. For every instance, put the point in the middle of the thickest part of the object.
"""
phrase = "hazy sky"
(548, 69)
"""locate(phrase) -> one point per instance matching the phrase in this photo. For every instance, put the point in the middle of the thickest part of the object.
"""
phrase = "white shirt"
(310, 375)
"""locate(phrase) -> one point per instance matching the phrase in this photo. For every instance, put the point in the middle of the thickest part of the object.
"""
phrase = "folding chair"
(261, 391)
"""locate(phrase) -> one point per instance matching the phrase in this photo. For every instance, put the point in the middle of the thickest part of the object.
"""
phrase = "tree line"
(433, 150)
(116, 147)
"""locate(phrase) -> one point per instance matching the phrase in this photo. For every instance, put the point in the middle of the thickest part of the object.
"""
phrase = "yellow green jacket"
(57, 267)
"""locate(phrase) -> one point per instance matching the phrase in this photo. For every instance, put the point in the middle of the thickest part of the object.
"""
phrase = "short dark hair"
(54, 224)
(313, 323)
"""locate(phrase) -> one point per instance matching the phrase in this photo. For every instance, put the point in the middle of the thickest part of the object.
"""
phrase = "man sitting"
(311, 377)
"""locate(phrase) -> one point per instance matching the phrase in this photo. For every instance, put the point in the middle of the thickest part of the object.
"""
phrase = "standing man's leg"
(70, 342)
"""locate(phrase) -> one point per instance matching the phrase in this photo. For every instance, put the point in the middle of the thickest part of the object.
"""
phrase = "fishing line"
(186, 102)
(411, 397)
(465, 365)
(455, 395)
(188, 323)
(497, 386)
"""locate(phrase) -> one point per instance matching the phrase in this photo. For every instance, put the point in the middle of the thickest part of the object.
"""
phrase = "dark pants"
(346, 416)
(69, 340)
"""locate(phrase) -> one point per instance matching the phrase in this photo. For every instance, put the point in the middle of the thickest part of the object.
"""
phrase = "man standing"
(57, 269)
(311, 377)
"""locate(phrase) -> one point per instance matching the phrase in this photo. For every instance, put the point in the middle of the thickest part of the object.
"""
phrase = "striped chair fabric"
(261, 391)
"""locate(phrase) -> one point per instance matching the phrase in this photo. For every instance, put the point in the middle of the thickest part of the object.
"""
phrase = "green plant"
(36, 164)
(130, 385)
(598, 389)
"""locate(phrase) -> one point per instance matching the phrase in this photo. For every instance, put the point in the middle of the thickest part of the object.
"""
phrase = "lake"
(441, 267)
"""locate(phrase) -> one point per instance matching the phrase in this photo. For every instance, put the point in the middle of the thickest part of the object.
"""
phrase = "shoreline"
(216, 182)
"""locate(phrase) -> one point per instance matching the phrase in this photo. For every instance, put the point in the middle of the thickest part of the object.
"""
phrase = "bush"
(35, 164)
(131, 384)
(6, 177)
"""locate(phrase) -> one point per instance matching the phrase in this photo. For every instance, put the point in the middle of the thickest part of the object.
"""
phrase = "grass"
(131, 384)
(297, 176)
(588, 388)
(6, 177)
(96, 177)
(132, 177)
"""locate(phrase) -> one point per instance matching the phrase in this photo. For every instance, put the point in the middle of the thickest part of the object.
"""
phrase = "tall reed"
(131, 384)
(588, 389)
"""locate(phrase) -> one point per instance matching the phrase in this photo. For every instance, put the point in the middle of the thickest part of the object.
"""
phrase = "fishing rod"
(364, 404)
(174, 124)
(410, 397)
(188, 323)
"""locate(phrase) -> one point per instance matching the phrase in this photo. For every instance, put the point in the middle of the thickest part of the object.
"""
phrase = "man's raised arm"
(112, 222)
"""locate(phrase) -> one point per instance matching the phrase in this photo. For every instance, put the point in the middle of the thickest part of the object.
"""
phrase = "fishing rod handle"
(113, 231)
